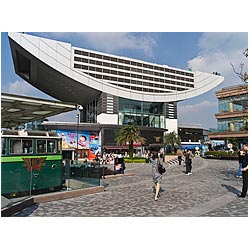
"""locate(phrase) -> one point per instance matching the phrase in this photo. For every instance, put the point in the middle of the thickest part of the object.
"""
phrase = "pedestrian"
(240, 156)
(179, 155)
(188, 162)
(157, 177)
(244, 171)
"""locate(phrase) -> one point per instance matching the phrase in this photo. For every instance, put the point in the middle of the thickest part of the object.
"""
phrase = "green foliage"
(220, 154)
(129, 134)
(172, 139)
(234, 141)
(135, 160)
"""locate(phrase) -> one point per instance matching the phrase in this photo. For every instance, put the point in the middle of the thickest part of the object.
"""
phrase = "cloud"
(217, 50)
(21, 87)
(199, 113)
(114, 42)
(110, 42)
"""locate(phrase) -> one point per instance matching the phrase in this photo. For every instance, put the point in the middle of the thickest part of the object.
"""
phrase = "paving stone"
(210, 192)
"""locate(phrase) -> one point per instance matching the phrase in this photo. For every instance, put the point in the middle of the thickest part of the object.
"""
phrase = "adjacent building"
(233, 114)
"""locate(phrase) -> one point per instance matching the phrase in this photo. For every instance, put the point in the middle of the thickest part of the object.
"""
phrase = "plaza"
(209, 192)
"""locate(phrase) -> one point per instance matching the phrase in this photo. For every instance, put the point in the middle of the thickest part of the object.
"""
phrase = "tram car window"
(15, 146)
(27, 146)
(51, 146)
(41, 146)
(3, 146)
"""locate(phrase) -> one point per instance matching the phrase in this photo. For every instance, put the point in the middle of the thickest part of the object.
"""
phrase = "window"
(84, 53)
(78, 52)
(106, 58)
(77, 66)
(78, 59)
(41, 146)
(106, 64)
(18, 147)
(3, 146)
(27, 147)
(51, 146)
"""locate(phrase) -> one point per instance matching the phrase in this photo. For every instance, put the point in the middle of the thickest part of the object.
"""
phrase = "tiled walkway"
(210, 191)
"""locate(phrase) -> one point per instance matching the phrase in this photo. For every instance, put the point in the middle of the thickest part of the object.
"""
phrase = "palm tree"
(172, 139)
(129, 134)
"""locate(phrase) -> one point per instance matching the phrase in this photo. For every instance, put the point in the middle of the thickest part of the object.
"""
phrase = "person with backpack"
(157, 176)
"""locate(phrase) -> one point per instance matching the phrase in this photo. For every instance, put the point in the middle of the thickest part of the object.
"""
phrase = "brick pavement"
(209, 192)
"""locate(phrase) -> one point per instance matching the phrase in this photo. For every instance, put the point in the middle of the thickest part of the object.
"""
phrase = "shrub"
(221, 154)
(135, 160)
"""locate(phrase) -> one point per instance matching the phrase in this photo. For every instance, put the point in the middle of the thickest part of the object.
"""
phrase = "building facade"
(112, 89)
(233, 113)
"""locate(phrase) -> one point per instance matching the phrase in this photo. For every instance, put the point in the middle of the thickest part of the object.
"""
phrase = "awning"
(17, 110)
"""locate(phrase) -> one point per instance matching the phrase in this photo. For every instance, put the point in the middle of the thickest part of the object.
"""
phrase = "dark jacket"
(245, 160)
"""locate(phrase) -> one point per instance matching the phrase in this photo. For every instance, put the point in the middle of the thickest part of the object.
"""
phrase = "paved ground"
(209, 192)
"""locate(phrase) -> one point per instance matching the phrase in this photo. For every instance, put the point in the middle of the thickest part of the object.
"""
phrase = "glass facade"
(148, 114)
(233, 103)
(230, 124)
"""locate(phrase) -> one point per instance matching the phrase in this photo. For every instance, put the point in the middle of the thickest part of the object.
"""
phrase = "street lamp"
(79, 107)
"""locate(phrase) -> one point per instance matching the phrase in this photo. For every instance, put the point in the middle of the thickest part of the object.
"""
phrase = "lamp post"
(79, 107)
(77, 132)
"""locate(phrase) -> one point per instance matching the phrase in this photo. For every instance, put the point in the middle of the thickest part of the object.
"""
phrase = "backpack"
(161, 169)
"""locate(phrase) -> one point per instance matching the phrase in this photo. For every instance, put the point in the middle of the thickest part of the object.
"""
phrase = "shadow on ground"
(28, 211)
(231, 189)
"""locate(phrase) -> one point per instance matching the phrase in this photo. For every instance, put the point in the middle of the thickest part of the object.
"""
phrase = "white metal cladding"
(169, 87)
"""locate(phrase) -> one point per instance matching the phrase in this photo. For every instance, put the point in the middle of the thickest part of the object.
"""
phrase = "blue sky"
(207, 52)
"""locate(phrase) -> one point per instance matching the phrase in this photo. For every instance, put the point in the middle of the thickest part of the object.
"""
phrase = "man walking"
(244, 172)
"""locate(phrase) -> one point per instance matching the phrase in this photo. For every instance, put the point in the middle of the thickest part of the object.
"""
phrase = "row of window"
(149, 72)
(130, 62)
(144, 83)
(26, 146)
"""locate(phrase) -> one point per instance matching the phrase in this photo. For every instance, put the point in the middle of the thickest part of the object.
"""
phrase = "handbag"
(161, 169)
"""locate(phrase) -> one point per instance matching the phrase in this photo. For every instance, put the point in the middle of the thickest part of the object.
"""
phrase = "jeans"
(240, 169)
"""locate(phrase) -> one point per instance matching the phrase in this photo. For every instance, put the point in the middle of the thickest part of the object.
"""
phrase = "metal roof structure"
(17, 110)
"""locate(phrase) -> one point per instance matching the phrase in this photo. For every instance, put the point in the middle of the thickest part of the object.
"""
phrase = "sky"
(202, 51)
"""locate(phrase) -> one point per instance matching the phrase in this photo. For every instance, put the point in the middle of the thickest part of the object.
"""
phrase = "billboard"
(86, 140)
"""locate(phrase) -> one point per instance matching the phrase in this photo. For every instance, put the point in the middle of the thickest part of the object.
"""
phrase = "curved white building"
(112, 89)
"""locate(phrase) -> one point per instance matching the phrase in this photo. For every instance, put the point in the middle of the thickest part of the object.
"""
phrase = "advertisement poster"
(69, 139)
(95, 144)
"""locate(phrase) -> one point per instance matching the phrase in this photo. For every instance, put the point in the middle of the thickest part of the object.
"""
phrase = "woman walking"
(188, 162)
(157, 177)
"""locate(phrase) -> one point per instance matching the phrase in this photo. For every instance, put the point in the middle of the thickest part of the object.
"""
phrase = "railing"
(81, 175)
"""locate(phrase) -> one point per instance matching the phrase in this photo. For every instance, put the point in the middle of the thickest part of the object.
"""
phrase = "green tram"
(31, 162)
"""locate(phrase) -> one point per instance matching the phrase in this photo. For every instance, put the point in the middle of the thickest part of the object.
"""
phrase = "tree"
(244, 79)
(172, 139)
(129, 134)
(240, 74)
